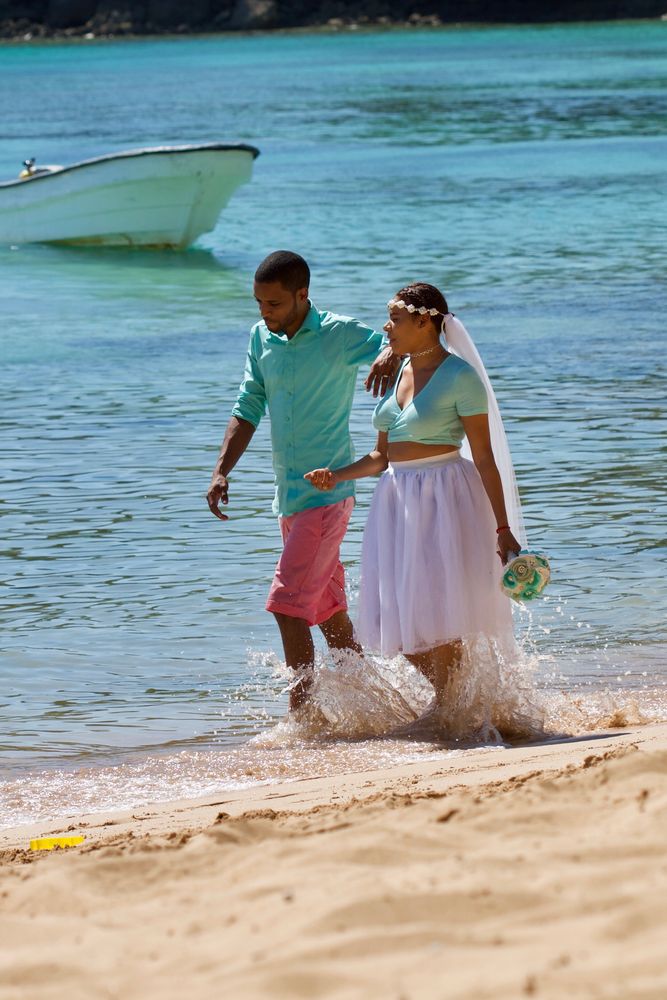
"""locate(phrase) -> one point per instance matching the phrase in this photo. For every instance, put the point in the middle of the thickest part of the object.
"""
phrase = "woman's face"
(405, 330)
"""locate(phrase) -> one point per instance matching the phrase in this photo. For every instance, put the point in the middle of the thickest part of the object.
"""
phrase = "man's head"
(281, 290)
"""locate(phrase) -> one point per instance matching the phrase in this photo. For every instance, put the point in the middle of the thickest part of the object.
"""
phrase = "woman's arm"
(370, 465)
(477, 432)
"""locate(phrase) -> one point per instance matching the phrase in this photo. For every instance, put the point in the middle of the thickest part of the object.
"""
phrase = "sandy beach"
(537, 870)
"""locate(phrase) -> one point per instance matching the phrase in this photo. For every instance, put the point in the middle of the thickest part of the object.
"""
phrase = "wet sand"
(538, 870)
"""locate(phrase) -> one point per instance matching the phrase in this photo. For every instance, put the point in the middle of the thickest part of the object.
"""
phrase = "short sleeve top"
(433, 416)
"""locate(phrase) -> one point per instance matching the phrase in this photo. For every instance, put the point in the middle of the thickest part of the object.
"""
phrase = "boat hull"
(164, 197)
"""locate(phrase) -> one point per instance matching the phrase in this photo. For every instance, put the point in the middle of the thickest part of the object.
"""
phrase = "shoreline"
(68, 792)
(41, 33)
(302, 794)
(534, 870)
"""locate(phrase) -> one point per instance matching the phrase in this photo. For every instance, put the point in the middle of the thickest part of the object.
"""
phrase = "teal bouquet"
(525, 576)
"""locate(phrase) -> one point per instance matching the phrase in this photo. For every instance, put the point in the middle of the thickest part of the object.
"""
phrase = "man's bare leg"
(339, 633)
(299, 655)
(300, 651)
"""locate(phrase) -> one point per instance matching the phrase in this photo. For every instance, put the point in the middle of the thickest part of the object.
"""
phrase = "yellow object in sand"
(48, 843)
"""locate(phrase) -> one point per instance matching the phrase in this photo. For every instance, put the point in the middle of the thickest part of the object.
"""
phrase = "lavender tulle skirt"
(430, 573)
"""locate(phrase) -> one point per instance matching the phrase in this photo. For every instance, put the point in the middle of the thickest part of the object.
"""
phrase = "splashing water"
(490, 696)
(501, 692)
(366, 714)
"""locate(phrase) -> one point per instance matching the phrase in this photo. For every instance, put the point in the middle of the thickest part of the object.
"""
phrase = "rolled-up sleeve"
(362, 345)
(251, 401)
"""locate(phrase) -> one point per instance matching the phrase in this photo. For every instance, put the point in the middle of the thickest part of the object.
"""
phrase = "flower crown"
(422, 310)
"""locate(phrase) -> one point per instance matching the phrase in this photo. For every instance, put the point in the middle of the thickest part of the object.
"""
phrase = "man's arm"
(383, 372)
(237, 438)
(365, 346)
(248, 410)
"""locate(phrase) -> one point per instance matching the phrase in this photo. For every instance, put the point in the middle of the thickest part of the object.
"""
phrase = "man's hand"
(217, 493)
(237, 438)
(383, 372)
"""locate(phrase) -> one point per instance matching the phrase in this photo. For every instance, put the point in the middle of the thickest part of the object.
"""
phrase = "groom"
(302, 363)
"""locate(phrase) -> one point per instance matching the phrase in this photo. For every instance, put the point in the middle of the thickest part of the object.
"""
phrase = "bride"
(438, 521)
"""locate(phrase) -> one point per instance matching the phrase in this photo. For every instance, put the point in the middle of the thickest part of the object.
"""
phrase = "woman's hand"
(508, 547)
(321, 479)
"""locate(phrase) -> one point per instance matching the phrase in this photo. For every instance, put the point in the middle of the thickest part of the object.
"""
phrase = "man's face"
(278, 306)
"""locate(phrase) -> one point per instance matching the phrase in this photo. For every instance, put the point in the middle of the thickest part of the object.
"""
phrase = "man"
(303, 364)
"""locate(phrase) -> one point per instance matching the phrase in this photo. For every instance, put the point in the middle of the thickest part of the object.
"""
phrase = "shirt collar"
(311, 322)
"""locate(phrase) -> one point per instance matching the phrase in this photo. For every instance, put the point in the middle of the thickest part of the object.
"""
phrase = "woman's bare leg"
(436, 665)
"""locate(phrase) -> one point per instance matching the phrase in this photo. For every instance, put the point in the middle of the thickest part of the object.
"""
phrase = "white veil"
(460, 343)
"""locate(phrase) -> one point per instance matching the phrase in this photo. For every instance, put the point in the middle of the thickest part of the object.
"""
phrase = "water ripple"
(521, 169)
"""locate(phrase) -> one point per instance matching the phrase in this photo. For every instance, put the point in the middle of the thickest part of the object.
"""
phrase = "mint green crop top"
(454, 390)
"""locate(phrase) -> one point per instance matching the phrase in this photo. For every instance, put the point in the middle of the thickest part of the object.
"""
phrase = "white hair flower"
(411, 308)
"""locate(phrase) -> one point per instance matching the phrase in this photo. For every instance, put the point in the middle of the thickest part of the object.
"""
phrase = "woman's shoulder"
(457, 364)
(461, 371)
(468, 389)
(454, 371)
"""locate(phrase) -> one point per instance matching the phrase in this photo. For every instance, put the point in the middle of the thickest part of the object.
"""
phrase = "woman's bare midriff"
(408, 451)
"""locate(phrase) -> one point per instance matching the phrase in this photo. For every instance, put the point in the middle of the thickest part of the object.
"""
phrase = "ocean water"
(519, 168)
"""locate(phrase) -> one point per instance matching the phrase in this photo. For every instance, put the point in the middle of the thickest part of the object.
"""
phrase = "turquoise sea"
(522, 169)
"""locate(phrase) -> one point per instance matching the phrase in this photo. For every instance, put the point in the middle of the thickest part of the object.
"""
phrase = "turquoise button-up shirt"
(308, 383)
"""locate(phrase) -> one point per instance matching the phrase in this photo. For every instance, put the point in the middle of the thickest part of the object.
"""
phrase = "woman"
(430, 575)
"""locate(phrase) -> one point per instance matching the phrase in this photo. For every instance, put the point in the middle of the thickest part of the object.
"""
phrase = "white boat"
(165, 196)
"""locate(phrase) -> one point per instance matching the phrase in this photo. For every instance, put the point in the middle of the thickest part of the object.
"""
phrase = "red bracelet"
(503, 527)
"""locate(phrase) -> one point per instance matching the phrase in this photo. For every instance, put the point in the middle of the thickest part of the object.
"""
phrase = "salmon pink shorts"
(310, 580)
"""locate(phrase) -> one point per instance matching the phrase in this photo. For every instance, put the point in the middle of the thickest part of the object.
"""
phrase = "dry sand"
(535, 871)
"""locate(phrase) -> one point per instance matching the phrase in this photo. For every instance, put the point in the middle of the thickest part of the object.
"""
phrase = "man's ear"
(302, 295)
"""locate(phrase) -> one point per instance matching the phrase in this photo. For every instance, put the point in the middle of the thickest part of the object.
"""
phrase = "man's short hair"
(286, 267)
